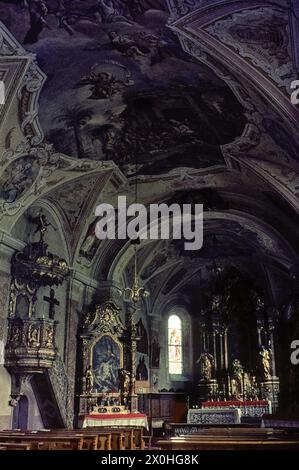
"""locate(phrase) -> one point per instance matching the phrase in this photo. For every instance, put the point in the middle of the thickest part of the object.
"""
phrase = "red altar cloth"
(116, 416)
(235, 403)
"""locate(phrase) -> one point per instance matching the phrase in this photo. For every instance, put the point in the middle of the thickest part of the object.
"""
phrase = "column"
(225, 350)
(214, 347)
(271, 340)
(221, 351)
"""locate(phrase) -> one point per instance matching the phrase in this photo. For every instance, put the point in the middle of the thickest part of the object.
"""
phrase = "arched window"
(175, 353)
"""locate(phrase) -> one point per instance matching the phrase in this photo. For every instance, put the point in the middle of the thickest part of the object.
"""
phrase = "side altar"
(107, 394)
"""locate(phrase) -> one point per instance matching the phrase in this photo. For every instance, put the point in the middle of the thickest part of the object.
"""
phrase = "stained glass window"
(175, 359)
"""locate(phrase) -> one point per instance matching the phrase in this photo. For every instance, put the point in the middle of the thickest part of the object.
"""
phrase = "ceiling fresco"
(119, 86)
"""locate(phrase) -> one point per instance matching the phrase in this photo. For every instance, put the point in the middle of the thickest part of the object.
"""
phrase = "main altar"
(228, 412)
(108, 367)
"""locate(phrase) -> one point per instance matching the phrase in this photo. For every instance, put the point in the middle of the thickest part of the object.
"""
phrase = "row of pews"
(233, 438)
(79, 439)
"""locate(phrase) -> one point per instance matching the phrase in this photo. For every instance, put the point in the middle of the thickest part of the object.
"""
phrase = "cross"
(52, 302)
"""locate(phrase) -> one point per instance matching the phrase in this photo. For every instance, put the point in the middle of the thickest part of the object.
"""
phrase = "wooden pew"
(193, 443)
(133, 436)
(14, 446)
(38, 441)
(119, 437)
(92, 440)
(227, 432)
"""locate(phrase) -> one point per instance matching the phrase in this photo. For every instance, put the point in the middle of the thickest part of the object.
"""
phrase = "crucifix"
(52, 303)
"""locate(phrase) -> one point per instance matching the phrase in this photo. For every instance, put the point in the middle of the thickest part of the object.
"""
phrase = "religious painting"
(142, 345)
(90, 244)
(175, 344)
(141, 370)
(106, 362)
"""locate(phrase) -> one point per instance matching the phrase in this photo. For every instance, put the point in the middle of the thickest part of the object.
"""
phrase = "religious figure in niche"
(89, 380)
(206, 362)
(16, 335)
(237, 379)
(124, 381)
(266, 356)
(141, 371)
(155, 353)
(142, 345)
(49, 337)
(33, 336)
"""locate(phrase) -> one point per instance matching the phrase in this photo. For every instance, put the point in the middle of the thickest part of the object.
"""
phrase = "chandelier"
(136, 292)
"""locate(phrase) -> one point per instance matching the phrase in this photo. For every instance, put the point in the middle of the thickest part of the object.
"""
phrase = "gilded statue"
(237, 387)
(89, 380)
(206, 362)
(16, 335)
(49, 337)
(33, 336)
(266, 356)
(124, 381)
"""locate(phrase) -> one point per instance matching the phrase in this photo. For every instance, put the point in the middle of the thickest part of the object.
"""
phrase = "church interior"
(139, 343)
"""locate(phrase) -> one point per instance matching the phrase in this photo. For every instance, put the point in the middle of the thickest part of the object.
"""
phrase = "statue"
(141, 371)
(206, 362)
(155, 357)
(33, 337)
(89, 380)
(237, 379)
(16, 335)
(49, 337)
(266, 355)
(124, 381)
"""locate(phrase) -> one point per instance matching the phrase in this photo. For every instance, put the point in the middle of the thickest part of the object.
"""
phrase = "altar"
(214, 416)
(248, 408)
(115, 420)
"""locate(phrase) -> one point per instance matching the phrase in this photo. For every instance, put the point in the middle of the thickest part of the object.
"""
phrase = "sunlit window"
(175, 357)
